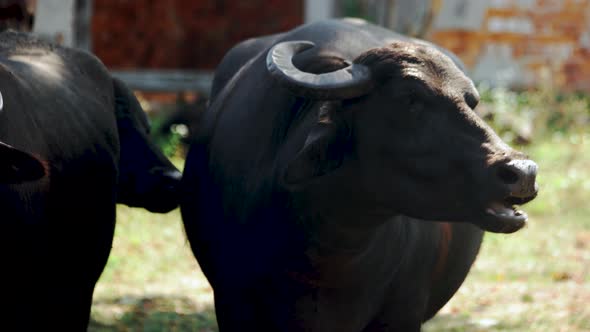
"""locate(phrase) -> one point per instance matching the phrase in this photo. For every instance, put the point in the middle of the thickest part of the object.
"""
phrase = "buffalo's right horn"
(346, 83)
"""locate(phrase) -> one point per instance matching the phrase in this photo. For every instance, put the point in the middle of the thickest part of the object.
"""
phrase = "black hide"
(361, 214)
(61, 156)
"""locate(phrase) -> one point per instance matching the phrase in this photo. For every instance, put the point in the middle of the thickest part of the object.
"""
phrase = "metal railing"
(166, 80)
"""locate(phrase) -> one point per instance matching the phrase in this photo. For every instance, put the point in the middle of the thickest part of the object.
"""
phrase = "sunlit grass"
(564, 176)
(537, 279)
(151, 282)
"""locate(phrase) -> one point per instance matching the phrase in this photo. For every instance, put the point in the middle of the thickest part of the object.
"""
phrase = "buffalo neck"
(340, 247)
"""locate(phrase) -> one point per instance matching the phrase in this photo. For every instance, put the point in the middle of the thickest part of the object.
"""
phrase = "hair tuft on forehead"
(400, 59)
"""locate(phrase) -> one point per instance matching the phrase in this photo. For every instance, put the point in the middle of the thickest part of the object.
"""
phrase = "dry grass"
(535, 280)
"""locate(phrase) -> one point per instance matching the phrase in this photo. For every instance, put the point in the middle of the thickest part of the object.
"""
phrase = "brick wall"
(536, 39)
(188, 34)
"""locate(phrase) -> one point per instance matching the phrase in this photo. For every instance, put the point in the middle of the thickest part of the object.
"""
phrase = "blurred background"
(530, 60)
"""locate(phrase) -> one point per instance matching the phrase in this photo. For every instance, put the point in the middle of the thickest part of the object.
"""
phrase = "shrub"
(523, 116)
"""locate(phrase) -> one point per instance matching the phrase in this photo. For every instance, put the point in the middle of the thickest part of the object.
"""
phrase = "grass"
(537, 279)
(151, 282)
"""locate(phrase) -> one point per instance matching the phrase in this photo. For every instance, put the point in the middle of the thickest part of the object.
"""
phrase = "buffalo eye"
(471, 100)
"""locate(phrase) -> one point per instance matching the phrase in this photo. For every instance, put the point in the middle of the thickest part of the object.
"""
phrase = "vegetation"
(540, 115)
(537, 279)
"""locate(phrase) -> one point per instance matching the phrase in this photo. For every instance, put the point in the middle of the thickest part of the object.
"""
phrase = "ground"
(537, 279)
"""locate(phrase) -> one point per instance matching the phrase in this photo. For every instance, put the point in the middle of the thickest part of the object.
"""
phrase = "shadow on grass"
(170, 313)
(147, 314)
(465, 323)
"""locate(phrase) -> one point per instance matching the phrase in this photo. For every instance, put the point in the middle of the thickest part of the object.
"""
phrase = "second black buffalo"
(73, 143)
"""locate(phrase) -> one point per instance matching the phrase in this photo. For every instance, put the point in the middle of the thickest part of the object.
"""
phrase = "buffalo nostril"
(520, 176)
(507, 175)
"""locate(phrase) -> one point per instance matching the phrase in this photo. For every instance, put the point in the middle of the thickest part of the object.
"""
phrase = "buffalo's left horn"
(350, 82)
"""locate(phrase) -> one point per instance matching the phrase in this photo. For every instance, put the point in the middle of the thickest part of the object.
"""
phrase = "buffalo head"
(396, 133)
(147, 178)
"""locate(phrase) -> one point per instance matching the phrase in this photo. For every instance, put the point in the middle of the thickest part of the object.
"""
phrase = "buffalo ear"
(17, 166)
(323, 152)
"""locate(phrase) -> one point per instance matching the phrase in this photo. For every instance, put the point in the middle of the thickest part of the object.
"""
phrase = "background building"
(517, 43)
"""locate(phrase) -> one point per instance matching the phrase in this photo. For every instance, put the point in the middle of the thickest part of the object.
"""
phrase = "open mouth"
(503, 217)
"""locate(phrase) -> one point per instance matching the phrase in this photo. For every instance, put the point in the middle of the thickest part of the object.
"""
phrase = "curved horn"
(350, 82)
(1, 102)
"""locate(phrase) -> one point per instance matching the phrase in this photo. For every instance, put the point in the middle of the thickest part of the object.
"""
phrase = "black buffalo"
(74, 143)
(341, 181)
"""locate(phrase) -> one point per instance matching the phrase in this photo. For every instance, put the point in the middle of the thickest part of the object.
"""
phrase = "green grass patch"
(537, 279)
(151, 282)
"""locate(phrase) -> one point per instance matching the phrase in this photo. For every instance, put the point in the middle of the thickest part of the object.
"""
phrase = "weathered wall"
(516, 42)
(519, 42)
(54, 20)
(190, 34)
